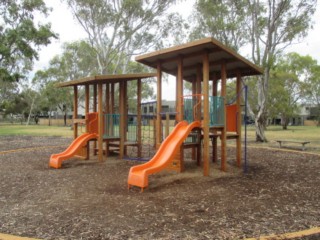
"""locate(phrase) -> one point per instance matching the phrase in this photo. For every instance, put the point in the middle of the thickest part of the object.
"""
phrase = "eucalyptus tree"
(293, 81)
(284, 96)
(266, 28)
(76, 61)
(21, 37)
(311, 89)
(225, 20)
(119, 29)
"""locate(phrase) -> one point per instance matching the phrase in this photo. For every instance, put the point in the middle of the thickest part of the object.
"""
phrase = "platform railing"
(216, 111)
(111, 126)
(191, 106)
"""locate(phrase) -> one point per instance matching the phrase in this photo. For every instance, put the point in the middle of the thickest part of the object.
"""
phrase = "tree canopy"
(266, 27)
(21, 37)
(119, 29)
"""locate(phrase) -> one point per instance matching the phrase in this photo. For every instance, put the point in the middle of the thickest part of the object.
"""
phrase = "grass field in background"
(295, 133)
(35, 130)
(309, 133)
(299, 133)
(273, 133)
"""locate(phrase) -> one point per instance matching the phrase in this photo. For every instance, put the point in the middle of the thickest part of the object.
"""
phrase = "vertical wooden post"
(198, 87)
(139, 120)
(180, 108)
(122, 130)
(194, 112)
(180, 89)
(199, 110)
(177, 101)
(205, 123)
(100, 123)
(167, 128)
(194, 99)
(159, 105)
(239, 117)
(94, 110)
(106, 116)
(214, 139)
(75, 111)
(107, 106)
(87, 104)
(224, 129)
(95, 97)
(87, 109)
(214, 85)
(125, 116)
(112, 99)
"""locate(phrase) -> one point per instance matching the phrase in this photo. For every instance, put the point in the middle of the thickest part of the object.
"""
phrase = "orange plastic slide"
(138, 175)
(57, 159)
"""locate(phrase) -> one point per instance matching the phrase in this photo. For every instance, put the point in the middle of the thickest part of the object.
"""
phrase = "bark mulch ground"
(90, 200)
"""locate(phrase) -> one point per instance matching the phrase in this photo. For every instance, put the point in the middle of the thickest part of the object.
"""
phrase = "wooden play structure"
(112, 116)
(203, 63)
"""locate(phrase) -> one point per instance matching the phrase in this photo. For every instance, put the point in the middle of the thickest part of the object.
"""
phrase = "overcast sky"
(63, 23)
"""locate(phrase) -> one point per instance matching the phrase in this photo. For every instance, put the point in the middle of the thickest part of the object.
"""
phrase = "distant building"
(150, 108)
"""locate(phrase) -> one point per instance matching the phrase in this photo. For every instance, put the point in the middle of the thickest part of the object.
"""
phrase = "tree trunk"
(49, 123)
(284, 122)
(260, 128)
(261, 116)
(65, 119)
(260, 136)
(30, 112)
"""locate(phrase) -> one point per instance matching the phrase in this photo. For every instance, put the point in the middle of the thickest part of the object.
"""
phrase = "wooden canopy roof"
(192, 54)
(106, 79)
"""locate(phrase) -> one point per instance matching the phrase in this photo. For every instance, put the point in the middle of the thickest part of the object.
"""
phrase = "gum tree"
(266, 27)
(117, 30)
(21, 37)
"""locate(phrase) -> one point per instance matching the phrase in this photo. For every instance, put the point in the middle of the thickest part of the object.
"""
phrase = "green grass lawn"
(303, 133)
(309, 133)
(35, 130)
(298, 133)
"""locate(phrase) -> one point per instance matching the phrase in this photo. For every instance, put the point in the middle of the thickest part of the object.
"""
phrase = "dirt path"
(90, 200)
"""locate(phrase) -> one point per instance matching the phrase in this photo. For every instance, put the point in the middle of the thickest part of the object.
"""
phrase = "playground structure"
(111, 124)
(200, 62)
